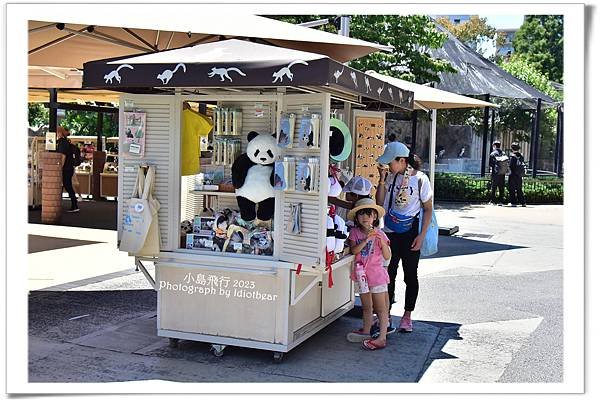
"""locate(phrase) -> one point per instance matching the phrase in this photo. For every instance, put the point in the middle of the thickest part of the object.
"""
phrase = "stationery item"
(279, 176)
(293, 226)
(290, 172)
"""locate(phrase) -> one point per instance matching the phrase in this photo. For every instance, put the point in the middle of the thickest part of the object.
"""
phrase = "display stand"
(274, 300)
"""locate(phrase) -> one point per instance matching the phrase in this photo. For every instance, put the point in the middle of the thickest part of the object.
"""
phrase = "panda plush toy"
(252, 176)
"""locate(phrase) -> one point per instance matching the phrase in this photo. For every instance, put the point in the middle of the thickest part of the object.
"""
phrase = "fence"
(467, 188)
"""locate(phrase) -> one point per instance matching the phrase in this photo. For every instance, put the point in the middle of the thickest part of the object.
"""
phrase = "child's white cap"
(358, 185)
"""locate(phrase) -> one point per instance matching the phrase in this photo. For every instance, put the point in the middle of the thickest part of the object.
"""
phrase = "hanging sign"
(135, 133)
(50, 140)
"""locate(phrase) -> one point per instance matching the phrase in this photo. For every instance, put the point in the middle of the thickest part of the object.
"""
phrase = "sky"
(504, 21)
(500, 22)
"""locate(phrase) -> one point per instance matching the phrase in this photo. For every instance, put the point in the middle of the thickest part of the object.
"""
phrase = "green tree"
(540, 41)
(411, 36)
(37, 115)
(512, 116)
(474, 32)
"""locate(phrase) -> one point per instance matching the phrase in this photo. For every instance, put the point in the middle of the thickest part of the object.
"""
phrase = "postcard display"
(218, 286)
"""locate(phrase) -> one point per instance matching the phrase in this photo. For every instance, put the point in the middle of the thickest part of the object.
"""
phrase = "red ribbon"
(299, 268)
(329, 257)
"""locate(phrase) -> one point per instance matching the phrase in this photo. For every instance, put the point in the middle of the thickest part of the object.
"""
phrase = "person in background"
(461, 153)
(498, 172)
(515, 178)
(403, 190)
(63, 146)
(75, 181)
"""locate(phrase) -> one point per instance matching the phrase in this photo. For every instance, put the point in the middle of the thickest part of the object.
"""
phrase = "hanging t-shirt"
(413, 206)
(193, 126)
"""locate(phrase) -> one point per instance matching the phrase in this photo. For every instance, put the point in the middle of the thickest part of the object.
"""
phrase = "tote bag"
(430, 242)
(140, 231)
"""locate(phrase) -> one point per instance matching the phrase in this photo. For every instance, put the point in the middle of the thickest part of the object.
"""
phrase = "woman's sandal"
(370, 345)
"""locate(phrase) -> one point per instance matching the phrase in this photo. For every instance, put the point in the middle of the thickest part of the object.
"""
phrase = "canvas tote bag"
(140, 235)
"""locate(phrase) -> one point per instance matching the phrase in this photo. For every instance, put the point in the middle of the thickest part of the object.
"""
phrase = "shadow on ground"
(93, 214)
(40, 243)
(457, 246)
(110, 336)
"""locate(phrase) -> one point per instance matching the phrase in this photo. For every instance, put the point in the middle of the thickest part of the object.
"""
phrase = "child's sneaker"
(357, 336)
(375, 330)
(406, 325)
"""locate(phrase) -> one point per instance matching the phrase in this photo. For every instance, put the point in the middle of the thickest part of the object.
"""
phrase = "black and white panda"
(252, 176)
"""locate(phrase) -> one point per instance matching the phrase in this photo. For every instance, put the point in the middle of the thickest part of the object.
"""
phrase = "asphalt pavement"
(489, 311)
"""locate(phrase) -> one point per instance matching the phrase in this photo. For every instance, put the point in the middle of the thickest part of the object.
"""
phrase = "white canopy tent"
(60, 43)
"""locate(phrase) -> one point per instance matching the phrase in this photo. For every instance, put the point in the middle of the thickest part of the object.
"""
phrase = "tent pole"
(557, 142)
(484, 151)
(538, 117)
(432, 146)
(413, 141)
(562, 138)
(53, 121)
(531, 137)
(492, 135)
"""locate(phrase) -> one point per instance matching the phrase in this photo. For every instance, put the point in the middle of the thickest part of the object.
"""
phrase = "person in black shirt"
(498, 178)
(64, 147)
(515, 178)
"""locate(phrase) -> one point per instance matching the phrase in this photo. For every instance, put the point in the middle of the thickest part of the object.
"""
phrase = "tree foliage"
(473, 32)
(512, 116)
(540, 42)
(77, 122)
(411, 36)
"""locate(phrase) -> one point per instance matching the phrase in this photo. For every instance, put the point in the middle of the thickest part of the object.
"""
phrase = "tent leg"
(484, 150)
(536, 137)
(413, 141)
(53, 122)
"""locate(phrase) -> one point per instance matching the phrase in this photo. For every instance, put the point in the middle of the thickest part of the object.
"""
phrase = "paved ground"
(489, 310)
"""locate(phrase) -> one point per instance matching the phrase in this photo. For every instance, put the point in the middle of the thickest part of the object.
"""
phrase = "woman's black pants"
(400, 245)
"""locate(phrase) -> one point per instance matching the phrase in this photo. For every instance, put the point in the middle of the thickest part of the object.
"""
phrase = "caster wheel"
(173, 342)
(217, 350)
(277, 357)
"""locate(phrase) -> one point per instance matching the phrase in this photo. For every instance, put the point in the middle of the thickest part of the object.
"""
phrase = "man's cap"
(393, 150)
(358, 185)
(496, 143)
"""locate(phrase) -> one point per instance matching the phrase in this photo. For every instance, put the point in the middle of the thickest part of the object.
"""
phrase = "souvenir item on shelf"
(306, 135)
(340, 140)
(218, 121)
(335, 188)
(285, 136)
(261, 242)
(313, 166)
(330, 236)
(204, 225)
(295, 218)
(252, 176)
(186, 227)
(289, 163)
(279, 176)
(315, 125)
(236, 121)
(198, 241)
(238, 240)
(304, 176)
(341, 233)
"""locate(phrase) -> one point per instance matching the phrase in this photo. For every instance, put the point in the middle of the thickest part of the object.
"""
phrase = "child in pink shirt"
(370, 246)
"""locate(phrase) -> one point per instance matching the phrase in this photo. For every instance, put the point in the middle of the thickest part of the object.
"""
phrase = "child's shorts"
(378, 289)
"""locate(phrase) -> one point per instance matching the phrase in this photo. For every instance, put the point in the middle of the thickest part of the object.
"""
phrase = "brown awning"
(239, 64)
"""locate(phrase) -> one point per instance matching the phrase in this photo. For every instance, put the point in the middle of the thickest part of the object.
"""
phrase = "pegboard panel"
(370, 137)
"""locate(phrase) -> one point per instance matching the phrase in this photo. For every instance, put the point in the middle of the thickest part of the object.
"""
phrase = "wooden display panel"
(370, 137)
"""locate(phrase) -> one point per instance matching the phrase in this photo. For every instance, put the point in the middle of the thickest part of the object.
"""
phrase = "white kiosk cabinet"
(238, 299)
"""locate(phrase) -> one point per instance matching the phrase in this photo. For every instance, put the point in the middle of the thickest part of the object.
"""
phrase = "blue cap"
(393, 150)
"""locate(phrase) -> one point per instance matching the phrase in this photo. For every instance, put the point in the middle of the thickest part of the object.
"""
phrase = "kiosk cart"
(272, 300)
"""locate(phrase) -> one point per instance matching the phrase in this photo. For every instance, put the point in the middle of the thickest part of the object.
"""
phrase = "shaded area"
(457, 246)
(40, 243)
(100, 215)
(50, 311)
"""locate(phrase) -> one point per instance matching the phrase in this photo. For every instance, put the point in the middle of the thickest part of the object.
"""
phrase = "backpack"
(501, 167)
(520, 169)
(75, 155)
